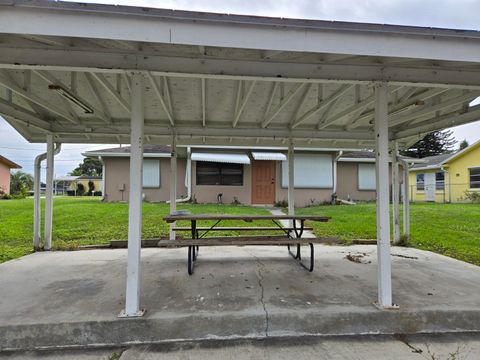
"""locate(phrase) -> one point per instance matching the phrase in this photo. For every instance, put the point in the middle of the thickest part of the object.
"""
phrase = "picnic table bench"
(291, 235)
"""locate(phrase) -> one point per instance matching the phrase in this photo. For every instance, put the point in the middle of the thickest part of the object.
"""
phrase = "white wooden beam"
(395, 194)
(284, 102)
(400, 107)
(49, 194)
(163, 102)
(382, 184)
(112, 91)
(27, 117)
(317, 108)
(51, 79)
(173, 185)
(204, 101)
(425, 110)
(132, 298)
(291, 180)
(6, 82)
(98, 95)
(454, 118)
(243, 103)
(301, 103)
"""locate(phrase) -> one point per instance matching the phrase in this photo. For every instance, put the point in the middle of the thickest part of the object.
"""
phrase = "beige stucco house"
(247, 176)
(5, 167)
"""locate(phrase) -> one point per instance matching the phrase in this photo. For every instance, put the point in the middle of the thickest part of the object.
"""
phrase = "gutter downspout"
(36, 196)
(188, 179)
(103, 178)
(449, 184)
(335, 160)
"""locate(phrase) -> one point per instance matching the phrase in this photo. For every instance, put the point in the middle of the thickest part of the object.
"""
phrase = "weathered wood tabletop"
(248, 218)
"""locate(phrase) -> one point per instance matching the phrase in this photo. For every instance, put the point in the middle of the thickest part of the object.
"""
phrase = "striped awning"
(221, 157)
(269, 156)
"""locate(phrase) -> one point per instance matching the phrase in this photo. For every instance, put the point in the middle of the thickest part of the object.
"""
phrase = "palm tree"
(20, 183)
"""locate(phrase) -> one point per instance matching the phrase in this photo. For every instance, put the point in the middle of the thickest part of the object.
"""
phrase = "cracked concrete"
(229, 296)
(262, 293)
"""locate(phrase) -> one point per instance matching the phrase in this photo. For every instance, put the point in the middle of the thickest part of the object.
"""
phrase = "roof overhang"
(217, 80)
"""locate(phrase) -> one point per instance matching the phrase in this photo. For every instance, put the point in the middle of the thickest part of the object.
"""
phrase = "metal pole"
(132, 299)
(49, 195)
(382, 179)
(396, 194)
(173, 185)
(37, 214)
(406, 202)
(291, 180)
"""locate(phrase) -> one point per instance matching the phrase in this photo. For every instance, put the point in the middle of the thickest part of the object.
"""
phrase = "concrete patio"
(60, 299)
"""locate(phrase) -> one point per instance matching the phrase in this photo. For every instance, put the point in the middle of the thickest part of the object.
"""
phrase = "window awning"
(221, 157)
(269, 156)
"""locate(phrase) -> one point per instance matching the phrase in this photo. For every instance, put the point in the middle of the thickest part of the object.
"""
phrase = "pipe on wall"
(36, 195)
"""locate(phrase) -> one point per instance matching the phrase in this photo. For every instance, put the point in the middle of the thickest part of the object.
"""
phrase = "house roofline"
(9, 163)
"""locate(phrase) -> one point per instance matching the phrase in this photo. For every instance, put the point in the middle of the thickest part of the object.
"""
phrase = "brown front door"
(263, 182)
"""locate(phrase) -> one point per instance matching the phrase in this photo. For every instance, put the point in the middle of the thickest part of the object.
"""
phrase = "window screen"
(311, 171)
(440, 180)
(475, 178)
(213, 173)
(366, 177)
(420, 182)
(151, 173)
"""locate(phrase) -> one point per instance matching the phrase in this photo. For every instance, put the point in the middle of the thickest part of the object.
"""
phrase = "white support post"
(132, 299)
(173, 185)
(49, 194)
(291, 180)
(395, 194)
(383, 213)
(406, 202)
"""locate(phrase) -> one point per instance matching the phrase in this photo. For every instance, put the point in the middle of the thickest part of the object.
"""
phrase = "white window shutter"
(311, 171)
(151, 173)
(366, 177)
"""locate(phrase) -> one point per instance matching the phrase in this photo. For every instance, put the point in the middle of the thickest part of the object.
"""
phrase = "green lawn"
(85, 221)
(449, 229)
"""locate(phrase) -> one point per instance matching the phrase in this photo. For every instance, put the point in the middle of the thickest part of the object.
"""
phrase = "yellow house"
(448, 177)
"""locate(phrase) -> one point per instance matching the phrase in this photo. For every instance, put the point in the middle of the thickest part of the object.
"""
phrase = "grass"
(87, 221)
(448, 229)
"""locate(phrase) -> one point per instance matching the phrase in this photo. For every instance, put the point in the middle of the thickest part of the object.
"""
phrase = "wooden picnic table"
(291, 235)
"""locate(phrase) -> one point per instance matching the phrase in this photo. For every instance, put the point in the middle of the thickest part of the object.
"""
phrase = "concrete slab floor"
(72, 298)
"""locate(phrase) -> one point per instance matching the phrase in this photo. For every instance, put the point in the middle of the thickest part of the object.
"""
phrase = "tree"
(20, 183)
(435, 143)
(91, 187)
(89, 166)
(463, 144)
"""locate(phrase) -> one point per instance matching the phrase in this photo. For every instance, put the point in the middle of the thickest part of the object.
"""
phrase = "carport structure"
(87, 73)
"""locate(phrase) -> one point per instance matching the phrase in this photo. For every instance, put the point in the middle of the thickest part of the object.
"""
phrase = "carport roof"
(216, 79)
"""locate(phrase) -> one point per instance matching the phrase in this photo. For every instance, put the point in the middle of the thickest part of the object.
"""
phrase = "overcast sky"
(460, 14)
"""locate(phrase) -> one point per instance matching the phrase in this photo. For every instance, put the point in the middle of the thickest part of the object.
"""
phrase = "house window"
(420, 182)
(213, 173)
(440, 180)
(310, 171)
(475, 178)
(366, 177)
(151, 173)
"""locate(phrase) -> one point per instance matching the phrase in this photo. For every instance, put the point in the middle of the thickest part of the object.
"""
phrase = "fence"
(443, 193)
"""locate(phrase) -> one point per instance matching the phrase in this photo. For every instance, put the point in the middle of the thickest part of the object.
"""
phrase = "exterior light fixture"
(72, 98)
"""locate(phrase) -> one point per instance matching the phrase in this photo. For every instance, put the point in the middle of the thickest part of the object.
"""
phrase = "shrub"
(80, 189)
(91, 187)
(281, 204)
(97, 193)
(473, 196)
